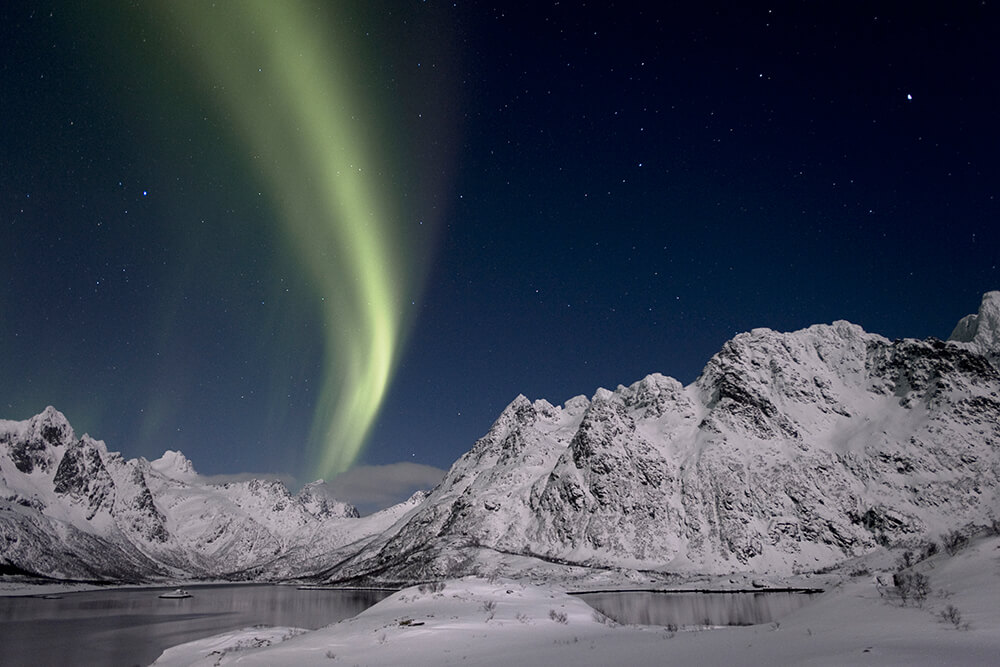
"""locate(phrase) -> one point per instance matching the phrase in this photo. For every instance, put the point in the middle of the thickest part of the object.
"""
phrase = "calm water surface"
(649, 608)
(132, 627)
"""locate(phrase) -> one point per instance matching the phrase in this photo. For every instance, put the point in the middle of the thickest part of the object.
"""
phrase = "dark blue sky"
(608, 192)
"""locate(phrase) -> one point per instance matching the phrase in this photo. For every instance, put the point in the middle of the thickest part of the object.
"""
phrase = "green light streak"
(284, 83)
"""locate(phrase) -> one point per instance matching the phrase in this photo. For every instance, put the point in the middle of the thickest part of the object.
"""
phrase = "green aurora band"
(283, 81)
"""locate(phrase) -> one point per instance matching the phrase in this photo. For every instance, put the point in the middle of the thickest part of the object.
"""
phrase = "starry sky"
(289, 238)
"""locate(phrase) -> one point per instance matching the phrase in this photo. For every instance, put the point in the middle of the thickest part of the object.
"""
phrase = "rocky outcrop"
(318, 500)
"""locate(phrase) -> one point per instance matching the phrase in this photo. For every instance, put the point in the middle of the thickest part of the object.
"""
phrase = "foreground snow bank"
(477, 622)
(472, 621)
(212, 650)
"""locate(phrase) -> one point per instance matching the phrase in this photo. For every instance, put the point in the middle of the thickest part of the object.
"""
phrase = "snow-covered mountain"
(791, 452)
(69, 508)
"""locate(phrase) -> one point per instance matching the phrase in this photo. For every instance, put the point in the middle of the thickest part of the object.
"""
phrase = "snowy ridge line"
(792, 453)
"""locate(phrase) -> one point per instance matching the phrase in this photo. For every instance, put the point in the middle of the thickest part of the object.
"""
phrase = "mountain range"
(790, 453)
(70, 509)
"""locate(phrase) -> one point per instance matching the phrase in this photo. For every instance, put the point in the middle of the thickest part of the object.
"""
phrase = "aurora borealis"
(286, 88)
(280, 269)
(292, 237)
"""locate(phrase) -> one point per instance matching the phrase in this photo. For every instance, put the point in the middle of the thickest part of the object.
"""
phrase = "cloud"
(371, 488)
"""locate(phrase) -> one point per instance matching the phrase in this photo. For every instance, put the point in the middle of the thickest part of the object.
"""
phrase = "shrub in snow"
(602, 619)
(953, 616)
(436, 587)
(558, 616)
(955, 541)
(912, 586)
(910, 558)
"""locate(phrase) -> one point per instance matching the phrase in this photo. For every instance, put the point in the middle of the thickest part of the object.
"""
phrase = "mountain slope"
(791, 452)
(71, 509)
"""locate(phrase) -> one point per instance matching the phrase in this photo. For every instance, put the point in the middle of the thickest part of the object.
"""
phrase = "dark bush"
(952, 615)
(912, 586)
(955, 541)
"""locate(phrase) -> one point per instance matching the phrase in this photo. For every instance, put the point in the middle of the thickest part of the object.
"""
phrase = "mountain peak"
(985, 323)
(981, 331)
(38, 443)
(318, 499)
(174, 465)
(52, 426)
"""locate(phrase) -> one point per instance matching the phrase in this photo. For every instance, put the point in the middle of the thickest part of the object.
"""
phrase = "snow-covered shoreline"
(735, 584)
(29, 589)
(476, 621)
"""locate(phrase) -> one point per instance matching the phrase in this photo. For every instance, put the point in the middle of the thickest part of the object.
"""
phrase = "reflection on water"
(132, 627)
(648, 608)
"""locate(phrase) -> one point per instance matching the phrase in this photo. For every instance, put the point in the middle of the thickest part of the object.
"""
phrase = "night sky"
(286, 238)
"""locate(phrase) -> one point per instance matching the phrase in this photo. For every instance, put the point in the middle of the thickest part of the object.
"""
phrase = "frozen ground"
(478, 622)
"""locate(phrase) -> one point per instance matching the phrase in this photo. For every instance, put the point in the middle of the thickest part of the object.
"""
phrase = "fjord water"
(132, 627)
(696, 608)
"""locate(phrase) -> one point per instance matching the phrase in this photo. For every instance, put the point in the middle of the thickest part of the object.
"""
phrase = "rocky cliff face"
(69, 508)
(791, 452)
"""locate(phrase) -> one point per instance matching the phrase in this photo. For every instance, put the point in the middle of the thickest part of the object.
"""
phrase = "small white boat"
(176, 594)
